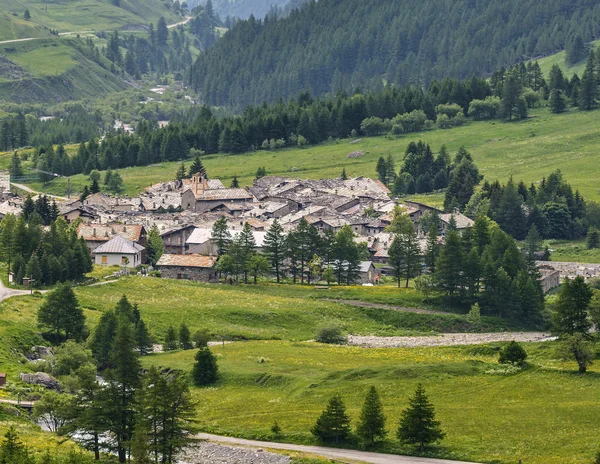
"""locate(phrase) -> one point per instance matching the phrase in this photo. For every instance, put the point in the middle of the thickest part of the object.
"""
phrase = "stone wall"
(189, 273)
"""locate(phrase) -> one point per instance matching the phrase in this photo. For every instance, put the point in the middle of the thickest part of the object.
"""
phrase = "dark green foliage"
(464, 176)
(205, 371)
(576, 50)
(334, 46)
(593, 238)
(371, 423)
(185, 337)
(170, 342)
(154, 246)
(571, 315)
(61, 314)
(275, 248)
(513, 353)
(588, 91)
(332, 335)
(143, 339)
(201, 338)
(13, 451)
(576, 347)
(334, 424)
(417, 423)
(102, 339)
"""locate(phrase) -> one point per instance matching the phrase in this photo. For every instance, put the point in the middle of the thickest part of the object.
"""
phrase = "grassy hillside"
(527, 150)
(80, 15)
(547, 62)
(545, 414)
(52, 70)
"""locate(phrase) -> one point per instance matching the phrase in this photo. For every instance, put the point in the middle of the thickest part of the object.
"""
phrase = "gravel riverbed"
(446, 339)
(211, 453)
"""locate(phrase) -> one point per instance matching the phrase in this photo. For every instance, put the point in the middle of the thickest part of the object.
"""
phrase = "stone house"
(96, 234)
(174, 239)
(549, 277)
(199, 197)
(190, 267)
(367, 272)
(118, 251)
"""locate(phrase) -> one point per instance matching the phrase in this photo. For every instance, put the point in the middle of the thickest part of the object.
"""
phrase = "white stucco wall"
(115, 259)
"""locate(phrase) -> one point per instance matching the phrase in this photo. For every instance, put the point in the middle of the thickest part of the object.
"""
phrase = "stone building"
(190, 267)
(119, 251)
(200, 197)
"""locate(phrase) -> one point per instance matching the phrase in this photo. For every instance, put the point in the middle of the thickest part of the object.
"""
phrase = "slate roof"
(119, 245)
(193, 260)
(104, 232)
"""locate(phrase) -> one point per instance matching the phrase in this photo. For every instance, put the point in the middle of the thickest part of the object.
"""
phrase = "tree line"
(44, 255)
(303, 254)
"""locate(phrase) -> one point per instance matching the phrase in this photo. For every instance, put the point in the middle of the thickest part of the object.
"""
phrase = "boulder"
(43, 379)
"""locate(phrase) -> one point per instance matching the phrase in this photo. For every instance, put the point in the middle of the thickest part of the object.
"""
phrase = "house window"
(124, 260)
(185, 276)
(104, 259)
(179, 276)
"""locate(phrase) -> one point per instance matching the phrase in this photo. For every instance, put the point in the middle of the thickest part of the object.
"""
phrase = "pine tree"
(571, 315)
(170, 342)
(154, 245)
(61, 313)
(558, 103)
(197, 168)
(417, 423)
(382, 171)
(449, 266)
(94, 187)
(15, 170)
(185, 337)
(371, 424)
(205, 371)
(181, 172)
(220, 235)
(235, 183)
(274, 246)
(162, 32)
(122, 381)
(142, 337)
(593, 238)
(27, 14)
(334, 424)
(588, 92)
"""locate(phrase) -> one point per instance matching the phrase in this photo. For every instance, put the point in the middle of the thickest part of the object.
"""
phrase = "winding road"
(332, 453)
(170, 26)
(10, 292)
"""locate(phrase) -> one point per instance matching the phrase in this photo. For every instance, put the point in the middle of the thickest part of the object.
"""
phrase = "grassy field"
(575, 250)
(547, 62)
(81, 15)
(527, 150)
(545, 414)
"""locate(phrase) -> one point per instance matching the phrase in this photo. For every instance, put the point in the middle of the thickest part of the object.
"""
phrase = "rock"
(212, 453)
(43, 379)
(39, 352)
(355, 154)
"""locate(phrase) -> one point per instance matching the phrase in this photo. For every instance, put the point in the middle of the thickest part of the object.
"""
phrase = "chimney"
(124, 228)
(94, 232)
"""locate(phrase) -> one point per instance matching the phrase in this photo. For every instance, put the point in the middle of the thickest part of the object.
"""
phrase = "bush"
(513, 353)
(474, 315)
(332, 335)
(205, 371)
(201, 338)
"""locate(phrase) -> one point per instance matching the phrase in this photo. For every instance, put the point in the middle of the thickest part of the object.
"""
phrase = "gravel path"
(211, 453)
(446, 339)
(331, 453)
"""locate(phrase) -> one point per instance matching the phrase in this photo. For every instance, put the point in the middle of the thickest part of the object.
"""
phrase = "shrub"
(474, 315)
(332, 335)
(513, 353)
(201, 338)
(205, 369)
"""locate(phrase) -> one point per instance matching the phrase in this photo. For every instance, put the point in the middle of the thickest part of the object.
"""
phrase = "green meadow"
(544, 414)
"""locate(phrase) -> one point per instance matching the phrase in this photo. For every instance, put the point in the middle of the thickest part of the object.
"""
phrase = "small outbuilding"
(119, 251)
(190, 267)
(2, 379)
(367, 272)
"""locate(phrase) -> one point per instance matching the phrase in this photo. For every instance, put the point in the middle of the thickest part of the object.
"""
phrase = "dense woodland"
(331, 45)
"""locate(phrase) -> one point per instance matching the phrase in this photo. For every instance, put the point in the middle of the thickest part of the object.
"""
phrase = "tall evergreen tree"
(274, 246)
(334, 424)
(62, 314)
(417, 423)
(371, 423)
(572, 307)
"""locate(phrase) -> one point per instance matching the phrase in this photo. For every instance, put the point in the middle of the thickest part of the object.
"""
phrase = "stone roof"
(103, 232)
(118, 245)
(194, 260)
(462, 221)
(223, 194)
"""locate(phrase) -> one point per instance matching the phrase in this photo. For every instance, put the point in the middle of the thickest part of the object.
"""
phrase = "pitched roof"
(193, 260)
(103, 232)
(222, 194)
(119, 245)
(462, 221)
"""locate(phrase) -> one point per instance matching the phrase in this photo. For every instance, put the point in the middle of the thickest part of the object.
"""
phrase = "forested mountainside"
(330, 45)
(244, 8)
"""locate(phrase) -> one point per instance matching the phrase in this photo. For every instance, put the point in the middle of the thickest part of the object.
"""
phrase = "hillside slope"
(78, 15)
(53, 70)
(333, 44)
